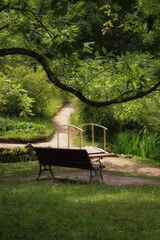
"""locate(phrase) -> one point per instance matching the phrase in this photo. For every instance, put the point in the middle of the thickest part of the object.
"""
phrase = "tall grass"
(145, 145)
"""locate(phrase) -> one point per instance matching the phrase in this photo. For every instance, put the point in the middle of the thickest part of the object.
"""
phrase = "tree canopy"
(103, 52)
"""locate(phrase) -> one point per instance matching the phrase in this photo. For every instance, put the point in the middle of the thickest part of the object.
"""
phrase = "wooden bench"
(71, 158)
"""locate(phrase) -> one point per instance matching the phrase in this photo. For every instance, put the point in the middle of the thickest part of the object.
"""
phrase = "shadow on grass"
(60, 180)
(66, 210)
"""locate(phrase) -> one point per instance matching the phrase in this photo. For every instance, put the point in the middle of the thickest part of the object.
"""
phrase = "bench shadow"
(70, 181)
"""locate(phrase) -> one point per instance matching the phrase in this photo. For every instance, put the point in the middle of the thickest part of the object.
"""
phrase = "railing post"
(68, 136)
(93, 135)
(58, 137)
(81, 140)
(104, 139)
(68, 131)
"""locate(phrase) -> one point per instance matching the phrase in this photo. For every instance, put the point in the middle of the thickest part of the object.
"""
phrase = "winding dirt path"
(114, 165)
(62, 118)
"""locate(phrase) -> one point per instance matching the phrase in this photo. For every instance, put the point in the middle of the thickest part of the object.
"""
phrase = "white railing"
(93, 125)
(80, 130)
(68, 132)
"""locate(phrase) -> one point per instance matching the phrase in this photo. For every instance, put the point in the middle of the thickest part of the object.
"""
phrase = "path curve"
(61, 118)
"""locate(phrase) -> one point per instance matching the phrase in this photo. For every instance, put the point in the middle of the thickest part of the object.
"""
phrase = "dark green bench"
(70, 158)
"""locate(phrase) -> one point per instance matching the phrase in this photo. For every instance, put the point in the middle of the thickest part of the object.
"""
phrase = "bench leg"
(40, 170)
(51, 172)
(101, 175)
(90, 175)
(95, 175)
(45, 169)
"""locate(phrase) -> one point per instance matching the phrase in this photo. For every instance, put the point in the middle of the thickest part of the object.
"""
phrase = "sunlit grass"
(69, 210)
(47, 210)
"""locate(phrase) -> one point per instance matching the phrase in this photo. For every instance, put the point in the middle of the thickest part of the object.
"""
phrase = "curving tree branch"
(57, 82)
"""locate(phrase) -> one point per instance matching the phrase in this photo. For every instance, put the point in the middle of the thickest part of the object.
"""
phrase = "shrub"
(26, 93)
(15, 99)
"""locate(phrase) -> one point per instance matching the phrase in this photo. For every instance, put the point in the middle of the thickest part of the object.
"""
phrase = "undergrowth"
(17, 129)
(145, 145)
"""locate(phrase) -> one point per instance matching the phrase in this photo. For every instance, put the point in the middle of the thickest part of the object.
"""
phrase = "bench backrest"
(74, 158)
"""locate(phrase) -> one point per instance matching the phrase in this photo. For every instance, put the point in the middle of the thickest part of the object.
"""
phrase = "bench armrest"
(102, 155)
(98, 162)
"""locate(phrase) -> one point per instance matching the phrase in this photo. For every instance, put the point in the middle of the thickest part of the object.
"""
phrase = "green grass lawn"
(47, 210)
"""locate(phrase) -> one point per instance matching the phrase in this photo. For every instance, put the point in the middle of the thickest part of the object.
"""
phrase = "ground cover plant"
(31, 129)
(25, 130)
(14, 155)
(68, 210)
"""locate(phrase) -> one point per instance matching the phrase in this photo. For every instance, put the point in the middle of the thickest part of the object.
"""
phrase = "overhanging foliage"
(61, 31)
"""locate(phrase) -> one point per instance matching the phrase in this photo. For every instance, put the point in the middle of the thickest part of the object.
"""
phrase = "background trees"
(103, 52)
(115, 33)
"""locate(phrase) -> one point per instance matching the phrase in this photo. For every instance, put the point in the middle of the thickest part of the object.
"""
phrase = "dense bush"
(25, 93)
(39, 89)
(102, 116)
(15, 99)
(143, 113)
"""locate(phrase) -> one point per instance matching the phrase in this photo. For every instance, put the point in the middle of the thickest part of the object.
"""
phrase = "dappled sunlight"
(52, 209)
